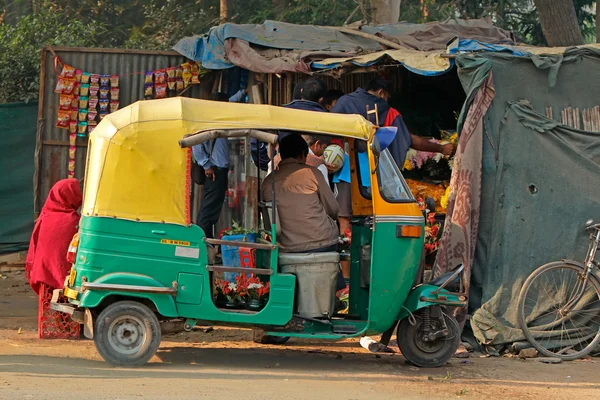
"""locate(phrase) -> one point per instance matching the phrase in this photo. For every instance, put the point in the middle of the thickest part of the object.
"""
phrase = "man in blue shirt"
(213, 156)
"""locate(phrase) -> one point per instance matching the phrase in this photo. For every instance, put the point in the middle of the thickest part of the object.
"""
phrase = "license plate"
(72, 276)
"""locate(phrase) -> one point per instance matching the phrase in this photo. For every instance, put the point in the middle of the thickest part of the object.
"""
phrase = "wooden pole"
(224, 14)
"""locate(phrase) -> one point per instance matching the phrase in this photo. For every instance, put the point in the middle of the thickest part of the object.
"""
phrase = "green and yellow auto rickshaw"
(140, 260)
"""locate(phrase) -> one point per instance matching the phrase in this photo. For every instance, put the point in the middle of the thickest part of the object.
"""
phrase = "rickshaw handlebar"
(205, 136)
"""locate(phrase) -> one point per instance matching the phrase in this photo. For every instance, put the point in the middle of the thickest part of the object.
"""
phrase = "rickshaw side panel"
(417, 299)
(125, 252)
(394, 263)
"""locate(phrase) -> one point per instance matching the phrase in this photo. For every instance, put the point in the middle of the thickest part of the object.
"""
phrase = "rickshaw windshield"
(392, 185)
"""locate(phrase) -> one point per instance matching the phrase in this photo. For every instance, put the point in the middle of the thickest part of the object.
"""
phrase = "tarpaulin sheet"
(539, 179)
(17, 147)
(298, 45)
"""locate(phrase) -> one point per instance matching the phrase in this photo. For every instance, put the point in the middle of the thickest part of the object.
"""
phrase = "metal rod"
(250, 245)
(128, 288)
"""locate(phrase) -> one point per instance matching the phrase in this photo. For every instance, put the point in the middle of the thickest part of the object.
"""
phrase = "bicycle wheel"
(554, 330)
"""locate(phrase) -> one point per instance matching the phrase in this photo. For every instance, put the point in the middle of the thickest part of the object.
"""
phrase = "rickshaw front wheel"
(127, 334)
(428, 348)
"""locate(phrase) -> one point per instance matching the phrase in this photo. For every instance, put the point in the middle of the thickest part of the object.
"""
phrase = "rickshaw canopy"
(136, 169)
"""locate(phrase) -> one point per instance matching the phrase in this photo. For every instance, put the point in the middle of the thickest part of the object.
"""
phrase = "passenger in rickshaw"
(307, 207)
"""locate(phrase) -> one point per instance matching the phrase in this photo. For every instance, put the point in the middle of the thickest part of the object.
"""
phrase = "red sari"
(57, 224)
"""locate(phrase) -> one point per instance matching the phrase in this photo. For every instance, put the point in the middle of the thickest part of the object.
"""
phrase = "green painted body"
(114, 251)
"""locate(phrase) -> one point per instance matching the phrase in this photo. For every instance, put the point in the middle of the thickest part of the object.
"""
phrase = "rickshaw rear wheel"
(421, 350)
(127, 334)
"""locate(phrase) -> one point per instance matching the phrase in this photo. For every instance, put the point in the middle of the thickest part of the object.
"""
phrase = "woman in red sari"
(57, 224)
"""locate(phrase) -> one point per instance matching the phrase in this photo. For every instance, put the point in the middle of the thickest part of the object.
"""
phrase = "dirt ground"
(225, 363)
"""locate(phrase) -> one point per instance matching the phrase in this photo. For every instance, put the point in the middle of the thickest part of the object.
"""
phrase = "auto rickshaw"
(140, 260)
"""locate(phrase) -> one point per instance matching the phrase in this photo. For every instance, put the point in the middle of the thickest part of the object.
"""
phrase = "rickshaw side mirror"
(376, 147)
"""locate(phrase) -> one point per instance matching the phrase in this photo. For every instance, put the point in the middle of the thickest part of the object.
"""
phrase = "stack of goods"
(168, 82)
(85, 98)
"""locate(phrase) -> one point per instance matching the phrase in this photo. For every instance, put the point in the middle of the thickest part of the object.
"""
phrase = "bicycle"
(562, 319)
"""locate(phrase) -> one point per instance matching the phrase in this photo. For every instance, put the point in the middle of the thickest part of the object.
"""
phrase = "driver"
(307, 207)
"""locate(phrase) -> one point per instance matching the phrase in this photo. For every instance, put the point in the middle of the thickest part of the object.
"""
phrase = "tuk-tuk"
(140, 260)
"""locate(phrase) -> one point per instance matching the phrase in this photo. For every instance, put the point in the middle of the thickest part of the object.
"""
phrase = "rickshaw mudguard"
(164, 302)
(423, 296)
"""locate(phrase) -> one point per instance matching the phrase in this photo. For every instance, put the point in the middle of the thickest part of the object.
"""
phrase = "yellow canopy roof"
(136, 169)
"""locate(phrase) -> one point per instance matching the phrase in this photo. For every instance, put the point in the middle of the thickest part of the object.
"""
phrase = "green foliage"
(20, 46)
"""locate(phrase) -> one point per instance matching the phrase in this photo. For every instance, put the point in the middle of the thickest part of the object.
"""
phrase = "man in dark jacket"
(377, 93)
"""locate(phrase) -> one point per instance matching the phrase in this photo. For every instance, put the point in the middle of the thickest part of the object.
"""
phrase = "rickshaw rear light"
(72, 252)
(413, 231)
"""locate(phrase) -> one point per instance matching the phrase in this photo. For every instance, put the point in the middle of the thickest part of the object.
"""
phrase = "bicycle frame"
(590, 262)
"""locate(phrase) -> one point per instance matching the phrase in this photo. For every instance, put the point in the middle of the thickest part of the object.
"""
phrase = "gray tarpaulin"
(540, 179)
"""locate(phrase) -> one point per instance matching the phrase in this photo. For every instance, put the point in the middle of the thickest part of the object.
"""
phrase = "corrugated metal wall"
(52, 148)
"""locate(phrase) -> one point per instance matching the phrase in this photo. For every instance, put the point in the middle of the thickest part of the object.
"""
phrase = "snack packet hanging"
(104, 80)
(187, 82)
(102, 115)
(179, 72)
(171, 73)
(95, 79)
(72, 150)
(83, 115)
(91, 126)
(92, 115)
(81, 129)
(148, 91)
(59, 85)
(171, 85)
(77, 89)
(179, 84)
(63, 119)
(114, 81)
(160, 76)
(74, 102)
(65, 101)
(72, 131)
(93, 102)
(71, 168)
(160, 91)
(114, 105)
(68, 86)
(74, 114)
(186, 70)
(78, 74)
(149, 77)
(103, 106)
(114, 93)
(94, 89)
(84, 90)
(85, 77)
(68, 71)
(103, 93)
(83, 102)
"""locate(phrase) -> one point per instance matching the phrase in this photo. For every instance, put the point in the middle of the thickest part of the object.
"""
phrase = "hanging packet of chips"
(172, 85)
(114, 105)
(83, 102)
(73, 136)
(72, 150)
(92, 115)
(94, 89)
(77, 89)
(91, 126)
(160, 76)
(114, 93)
(195, 73)
(186, 70)
(149, 77)
(103, 93)
(74, 102)
(65, 101)
(148, 91)
(64, 117)
(72, 128)
(78, 75)
(171, 71)
(95, 79)
(102, 114)
(82, 128)
(179, 72)
(179, 84)
(83, 115)
(114, 81)
(161, 91)
(68, 71)
(85, 77)
(68, 86)
(104, 80)
(103, 106)
(71, 169)
(93, 102)
(74, 113)
(84, 90)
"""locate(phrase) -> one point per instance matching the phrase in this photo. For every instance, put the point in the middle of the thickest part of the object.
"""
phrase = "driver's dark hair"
(218, 96)
(293, 146)
(313, 89)
(297, 94)
(379, 83)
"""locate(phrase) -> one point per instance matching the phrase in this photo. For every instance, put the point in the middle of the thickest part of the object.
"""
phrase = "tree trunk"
(385, 11)
(224, 15)
(559, 22)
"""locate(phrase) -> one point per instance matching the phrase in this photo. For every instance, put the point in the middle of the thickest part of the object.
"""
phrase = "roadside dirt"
(225, 362)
